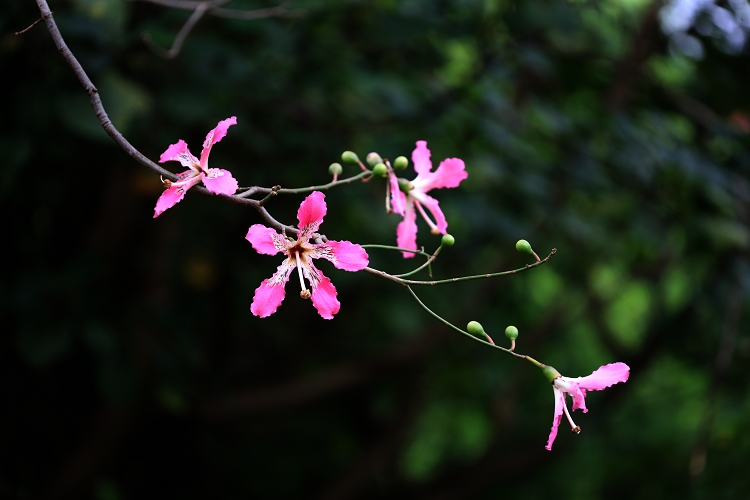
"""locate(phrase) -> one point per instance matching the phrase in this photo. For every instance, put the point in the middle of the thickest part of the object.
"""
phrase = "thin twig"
(29, 27)
(199, 11)
(199, 8)
(256, 189)
(404, 282)
(463, 332)
(249, 15)
(390, 247)
(185, 4)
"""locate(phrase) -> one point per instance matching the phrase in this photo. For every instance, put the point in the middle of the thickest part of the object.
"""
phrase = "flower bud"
(523, 246)
(379, 170)
(373, 159)
(404, 185)
(349, 157)
(335, 169)
(511, 332)
(550, 373)
(447, 241)
(400, 163)
(475, 329)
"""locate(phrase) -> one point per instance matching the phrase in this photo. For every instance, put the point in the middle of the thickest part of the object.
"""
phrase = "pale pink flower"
(216, 180)
(449, 174)
(343, 254)
(602, 378)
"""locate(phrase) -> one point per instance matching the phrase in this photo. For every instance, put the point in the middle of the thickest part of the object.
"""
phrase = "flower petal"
(179, 152)
(269, 295)
(324, 297)
(421, 158)
(398, 198)
(215, 136)
(174, 194)
(265, 240)
(605, 376)
(579, 398)
(310, 214)
(557, 417)
(344, 255)
(220, 181)
(406, 231)
(434, 207)
(449, 174)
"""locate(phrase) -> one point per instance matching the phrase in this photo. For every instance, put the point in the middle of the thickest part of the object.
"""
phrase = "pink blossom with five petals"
(216, 180)
(449, 174)
(343, 254)
(605, 376)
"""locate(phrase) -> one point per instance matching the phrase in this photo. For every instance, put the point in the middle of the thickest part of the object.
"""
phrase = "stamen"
(301, 280)
(433, 227)
(576, 429)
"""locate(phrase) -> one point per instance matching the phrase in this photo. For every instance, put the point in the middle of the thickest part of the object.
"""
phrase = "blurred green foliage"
(132, 367)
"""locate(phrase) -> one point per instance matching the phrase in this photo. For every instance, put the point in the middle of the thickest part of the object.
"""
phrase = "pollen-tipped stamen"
(575, 429)
(433, 227)
(301, 278)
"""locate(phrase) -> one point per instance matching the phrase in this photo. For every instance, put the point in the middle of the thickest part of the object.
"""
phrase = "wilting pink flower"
(602, 378)
(449, 174)
(216, 180)
(343, 254)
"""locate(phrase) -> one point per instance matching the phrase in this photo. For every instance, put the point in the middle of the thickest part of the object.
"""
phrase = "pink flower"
(449, 174)
(602, 378)
(343, 254)
(216, 180)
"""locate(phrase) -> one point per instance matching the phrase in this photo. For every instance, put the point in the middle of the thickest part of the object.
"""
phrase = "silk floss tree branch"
(404, 197)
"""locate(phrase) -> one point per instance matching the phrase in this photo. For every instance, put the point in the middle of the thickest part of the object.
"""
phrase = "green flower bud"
(404, 185)
(400, 163)
(373, 159)
(349, 157)
(447, 240)
(475, 329)
(550, 373)
(511, 332)
(379, 170)
(523, 246)
(335, 169)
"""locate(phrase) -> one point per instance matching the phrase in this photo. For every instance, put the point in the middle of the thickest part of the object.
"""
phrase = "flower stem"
(404, 282)
(463, 332)
(348, 180)
(399, 249)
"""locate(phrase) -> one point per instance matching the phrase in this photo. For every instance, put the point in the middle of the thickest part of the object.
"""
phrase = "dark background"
(131, 366)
